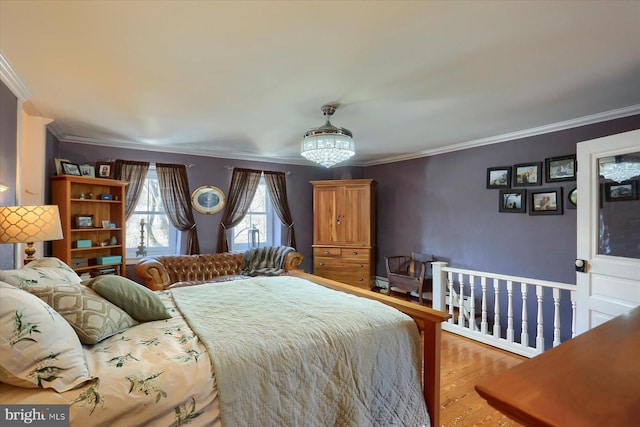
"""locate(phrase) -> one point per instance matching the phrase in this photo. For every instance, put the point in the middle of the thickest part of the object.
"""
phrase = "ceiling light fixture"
(328, 145)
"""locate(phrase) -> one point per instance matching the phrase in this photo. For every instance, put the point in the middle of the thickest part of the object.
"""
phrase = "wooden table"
(591, 380)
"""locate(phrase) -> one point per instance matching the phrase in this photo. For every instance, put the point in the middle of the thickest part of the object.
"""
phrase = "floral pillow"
(38, 348)
(44, 271)
(91, 316)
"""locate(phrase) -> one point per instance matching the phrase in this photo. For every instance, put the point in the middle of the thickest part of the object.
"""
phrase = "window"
(160, 237)
(260, 217)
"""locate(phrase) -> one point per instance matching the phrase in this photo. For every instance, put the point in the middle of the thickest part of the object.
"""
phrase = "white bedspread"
(287, 352)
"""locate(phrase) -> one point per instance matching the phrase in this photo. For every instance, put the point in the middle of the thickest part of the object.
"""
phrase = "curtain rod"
(188, 165)
(230, 168)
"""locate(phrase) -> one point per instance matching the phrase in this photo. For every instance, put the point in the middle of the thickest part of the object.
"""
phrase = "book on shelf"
(106, 270)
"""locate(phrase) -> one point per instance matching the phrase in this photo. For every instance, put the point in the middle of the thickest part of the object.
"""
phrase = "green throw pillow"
(139, 302)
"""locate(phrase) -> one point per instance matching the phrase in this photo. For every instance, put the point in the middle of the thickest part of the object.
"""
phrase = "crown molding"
(56, 130)
(177, 150)
(540, 130)
(511, 136)
(10, 78)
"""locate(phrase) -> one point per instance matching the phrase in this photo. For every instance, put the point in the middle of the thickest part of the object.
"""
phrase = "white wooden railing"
(457, 291)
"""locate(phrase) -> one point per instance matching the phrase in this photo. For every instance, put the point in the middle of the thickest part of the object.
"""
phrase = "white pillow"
(38, 348)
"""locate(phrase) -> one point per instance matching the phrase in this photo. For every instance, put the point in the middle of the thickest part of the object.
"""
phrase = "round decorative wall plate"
(207, 199)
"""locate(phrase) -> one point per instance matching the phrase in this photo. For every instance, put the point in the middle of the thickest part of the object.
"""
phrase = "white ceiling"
(246, 79)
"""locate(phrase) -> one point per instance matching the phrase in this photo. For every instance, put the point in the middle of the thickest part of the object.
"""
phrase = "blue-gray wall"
(436, 204)
(440, 205)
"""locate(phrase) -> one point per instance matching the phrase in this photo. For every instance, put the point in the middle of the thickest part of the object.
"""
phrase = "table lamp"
(28, 224)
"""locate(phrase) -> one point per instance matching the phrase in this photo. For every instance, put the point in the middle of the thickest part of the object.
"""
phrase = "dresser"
(344, 231)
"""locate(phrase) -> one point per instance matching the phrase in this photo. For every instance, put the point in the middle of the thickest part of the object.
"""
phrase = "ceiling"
(246, 79)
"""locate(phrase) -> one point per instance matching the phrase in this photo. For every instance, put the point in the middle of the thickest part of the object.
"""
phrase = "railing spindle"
(510, 311)
(461, 300)
(540, 332)
(574, 295)
(472, 303)
(556, 317)
(524, 334)
(497, 333)
(451, 293)
(483, 323)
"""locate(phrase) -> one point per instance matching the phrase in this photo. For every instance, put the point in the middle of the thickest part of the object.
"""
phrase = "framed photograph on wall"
(514, 201)
(618, 192)
(499, 177)
(525, 174)
(561, 168)
(545, 201)
(105, 169)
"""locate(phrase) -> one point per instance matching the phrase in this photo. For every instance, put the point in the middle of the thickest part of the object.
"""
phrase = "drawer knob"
(327, 252)
(355, 253)
(360, 265)
(322, 264)
(360, 279)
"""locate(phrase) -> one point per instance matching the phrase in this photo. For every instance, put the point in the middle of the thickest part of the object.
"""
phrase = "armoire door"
(355, 216)
(326, 219)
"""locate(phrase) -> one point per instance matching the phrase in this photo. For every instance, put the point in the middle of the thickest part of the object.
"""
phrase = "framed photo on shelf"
(546, 201)
(70, 169)
(105, 169)
(88, 170)
(525, 174)
(207, 199)
(561, 168)
(618, 192)
(514, 201)
(84, 221)
(106, 224)
(499, 177)
(58, 162)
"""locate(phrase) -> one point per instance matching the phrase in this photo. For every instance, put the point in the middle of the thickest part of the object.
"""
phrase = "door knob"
(581, 265)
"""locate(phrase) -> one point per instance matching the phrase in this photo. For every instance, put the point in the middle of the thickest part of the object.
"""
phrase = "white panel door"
(608, 228)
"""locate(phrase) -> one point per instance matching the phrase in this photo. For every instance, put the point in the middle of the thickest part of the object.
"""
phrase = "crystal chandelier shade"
(328, 145)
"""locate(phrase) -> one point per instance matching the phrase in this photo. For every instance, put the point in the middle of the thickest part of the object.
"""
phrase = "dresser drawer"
(352, 272)
(327, 252)
(355, 254)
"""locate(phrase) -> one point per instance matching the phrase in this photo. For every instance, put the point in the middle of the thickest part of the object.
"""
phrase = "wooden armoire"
(344, 221)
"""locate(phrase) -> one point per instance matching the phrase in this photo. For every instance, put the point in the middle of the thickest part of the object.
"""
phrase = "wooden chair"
(409, 273)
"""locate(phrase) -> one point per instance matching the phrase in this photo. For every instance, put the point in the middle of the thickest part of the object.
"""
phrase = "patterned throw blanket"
(266, 261)
(288, 352)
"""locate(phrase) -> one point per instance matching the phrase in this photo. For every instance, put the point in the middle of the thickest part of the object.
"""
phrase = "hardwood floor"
(464, 363)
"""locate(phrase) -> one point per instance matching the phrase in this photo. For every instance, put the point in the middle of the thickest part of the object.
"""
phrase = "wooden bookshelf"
(81, 196)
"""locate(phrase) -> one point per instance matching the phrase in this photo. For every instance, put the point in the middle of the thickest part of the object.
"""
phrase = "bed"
(221, 357)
